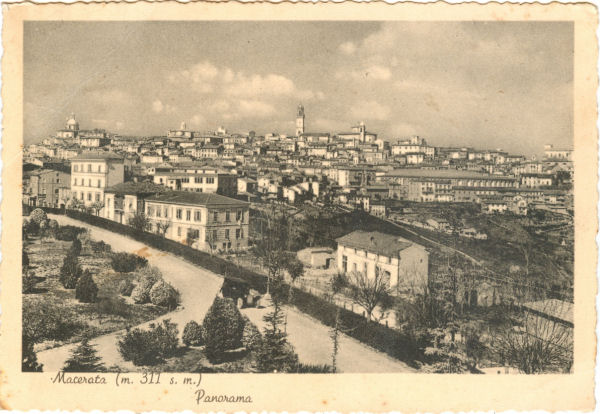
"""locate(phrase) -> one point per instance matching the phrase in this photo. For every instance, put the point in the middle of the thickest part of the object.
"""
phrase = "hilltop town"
(478, 234)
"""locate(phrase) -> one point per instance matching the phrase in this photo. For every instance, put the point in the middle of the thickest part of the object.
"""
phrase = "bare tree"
(97, 206)
(163, 226)
(140, 221)
(370, 292)
(539, 345)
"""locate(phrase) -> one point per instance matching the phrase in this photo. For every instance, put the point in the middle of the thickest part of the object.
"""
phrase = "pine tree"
(70, 272)
(84, 359)
(86, 290)
(29, 362)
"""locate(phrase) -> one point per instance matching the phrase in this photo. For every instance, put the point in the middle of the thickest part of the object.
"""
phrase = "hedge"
(380, 337)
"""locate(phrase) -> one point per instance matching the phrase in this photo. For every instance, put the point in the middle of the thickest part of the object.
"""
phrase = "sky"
(494, 85)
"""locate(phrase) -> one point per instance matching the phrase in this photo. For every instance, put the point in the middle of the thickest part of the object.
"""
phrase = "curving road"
(198, 289)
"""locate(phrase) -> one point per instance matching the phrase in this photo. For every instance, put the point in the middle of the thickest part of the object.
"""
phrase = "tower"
(300, 121)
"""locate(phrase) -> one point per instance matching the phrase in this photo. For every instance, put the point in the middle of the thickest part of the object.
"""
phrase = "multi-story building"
(92, 173)
(124, 200)
(47, 188)
(403, 264)
(204, 221)
(205, 180)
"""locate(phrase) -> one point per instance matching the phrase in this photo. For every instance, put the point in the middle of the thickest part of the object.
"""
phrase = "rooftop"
(137, 188)
(94, 155)
(193, 198)
(375, 242)
(445, 173)
(552, 309)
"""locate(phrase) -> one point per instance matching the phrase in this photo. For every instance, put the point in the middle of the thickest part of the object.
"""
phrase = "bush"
(192, 334)
(251, 336)
(29, 282)
(68, 233)
(42, 320)
(86, 290)
(70, 272)
(113, 306)
(24, 260)
(100, 247)
(29, 362)
(163, 294)
(127, 262)
(31, 227)
(126, 287)
(314, 369)
(222, 328)
(147, 277)
(38, 215)
(148, 347)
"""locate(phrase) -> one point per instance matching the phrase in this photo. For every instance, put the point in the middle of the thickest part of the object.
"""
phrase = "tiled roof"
(375, 242)
(419, 172)
(193, 198)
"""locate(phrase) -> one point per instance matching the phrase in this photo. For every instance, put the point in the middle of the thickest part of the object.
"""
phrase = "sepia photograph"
(290, 196)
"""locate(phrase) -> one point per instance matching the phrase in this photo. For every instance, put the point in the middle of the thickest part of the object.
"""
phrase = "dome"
(72, 122)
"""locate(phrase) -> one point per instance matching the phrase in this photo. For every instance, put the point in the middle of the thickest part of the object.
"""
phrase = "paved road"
(198, 288)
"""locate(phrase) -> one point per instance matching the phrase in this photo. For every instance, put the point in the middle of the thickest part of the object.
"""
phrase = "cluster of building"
(202, 181)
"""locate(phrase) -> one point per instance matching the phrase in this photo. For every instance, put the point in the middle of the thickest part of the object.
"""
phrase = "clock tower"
(300, 121)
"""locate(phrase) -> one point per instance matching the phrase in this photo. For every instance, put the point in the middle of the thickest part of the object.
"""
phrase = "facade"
(202, 181)
(124, 200)
(208, 222)
(92, 173)
(47, 188)
(300, 121)
(404, 264)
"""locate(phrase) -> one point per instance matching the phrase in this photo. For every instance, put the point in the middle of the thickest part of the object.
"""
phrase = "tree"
(75, 249)
(140, 221)
(38, 215)
(275, 354)
(163, 294)
(29, 362)
(97, 206)
(70, 272)
(148, 347)
(370, 292)
(539, 345)
(222, 328)
(163, 226)
(447, 356)
(84, 359)
(86, 290)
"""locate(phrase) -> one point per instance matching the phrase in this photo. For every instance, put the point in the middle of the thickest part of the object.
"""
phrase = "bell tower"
(300, 121)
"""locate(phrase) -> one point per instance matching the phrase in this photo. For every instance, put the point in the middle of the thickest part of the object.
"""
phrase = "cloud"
(348, 48)
(110, 96)
(157, 106)
(373, 72)
(255, 108)
(370, 110)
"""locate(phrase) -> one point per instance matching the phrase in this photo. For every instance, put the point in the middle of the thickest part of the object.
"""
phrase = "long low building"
(205, 221)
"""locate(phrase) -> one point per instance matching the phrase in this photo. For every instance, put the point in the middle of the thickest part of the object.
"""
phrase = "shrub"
(86, 290)
(148, 347)
(222, 328)
(192, 334)
(163, 294)
(113, 306)
(38, 215)
(70, 272)
(275, 354)
(75, 249)
(31, 227)
(29, 362)
(44, 321)
(68, 233)
(314, 369)
(251, 336)
(100, 247)
(24, 260)
(29, 282)
(126, 287)
(147, 277)
(127, 262)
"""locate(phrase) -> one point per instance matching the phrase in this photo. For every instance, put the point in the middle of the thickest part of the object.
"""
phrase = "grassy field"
(52, 314)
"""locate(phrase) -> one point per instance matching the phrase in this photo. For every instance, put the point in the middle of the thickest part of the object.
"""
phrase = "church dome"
(71, 122)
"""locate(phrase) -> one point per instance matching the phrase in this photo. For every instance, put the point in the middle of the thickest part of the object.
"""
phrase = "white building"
(203, 221)
(92, 173)
(405, 264)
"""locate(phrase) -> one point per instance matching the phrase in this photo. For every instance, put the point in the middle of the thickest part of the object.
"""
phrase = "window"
(226, 234)
(210, 180)
(237, 233)
(151, 211)
(197, 215)
(198, 180)
(365, 269)
(345, 263)
(188, 215)
(166, 212)
(161, 180)
(89, 182)
(100, 168)
(89, 197)
(238, 215)
(74, 181)
(178, 231)
(76, 167)
(216, 216)
(56, 191)
(97, 196)
(227, 218)
(214, 235)
(98, 183)
(178, 213)
(89, 167)
(81, 196)
(354, 267)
